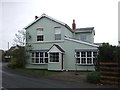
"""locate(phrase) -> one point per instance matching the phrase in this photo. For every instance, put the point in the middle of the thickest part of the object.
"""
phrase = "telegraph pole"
(8, 45)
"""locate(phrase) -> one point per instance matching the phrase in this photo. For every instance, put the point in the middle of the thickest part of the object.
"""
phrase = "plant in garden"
(93, 77)
(18, 58)
(107, 53)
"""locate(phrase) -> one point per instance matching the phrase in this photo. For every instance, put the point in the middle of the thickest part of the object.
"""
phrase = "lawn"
(36, 72)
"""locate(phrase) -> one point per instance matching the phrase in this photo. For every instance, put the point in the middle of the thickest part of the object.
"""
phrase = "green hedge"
(93, 77)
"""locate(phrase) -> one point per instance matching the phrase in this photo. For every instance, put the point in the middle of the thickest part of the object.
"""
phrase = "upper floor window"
(40, 36)
(57, 33)
(83, 37)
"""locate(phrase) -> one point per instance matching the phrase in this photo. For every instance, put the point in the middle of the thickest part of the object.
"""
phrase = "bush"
(18, 58)
(93, 77)
(107, 53)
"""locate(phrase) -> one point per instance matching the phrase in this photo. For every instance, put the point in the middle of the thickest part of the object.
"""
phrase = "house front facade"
(53, 45)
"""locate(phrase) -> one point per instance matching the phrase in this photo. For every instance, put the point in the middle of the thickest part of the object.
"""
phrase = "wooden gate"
(110, 72)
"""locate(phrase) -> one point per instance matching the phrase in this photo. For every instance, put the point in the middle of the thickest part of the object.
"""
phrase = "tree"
(18, 59)
(107, 53)
(20, 38)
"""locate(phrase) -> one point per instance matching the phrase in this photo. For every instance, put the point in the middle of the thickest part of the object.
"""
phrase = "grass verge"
(34, 71)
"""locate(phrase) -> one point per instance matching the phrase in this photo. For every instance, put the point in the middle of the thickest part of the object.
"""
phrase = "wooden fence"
(110, 73)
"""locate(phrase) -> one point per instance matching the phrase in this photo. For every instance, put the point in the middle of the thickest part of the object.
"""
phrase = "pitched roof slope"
(53, 19)
(82, 42)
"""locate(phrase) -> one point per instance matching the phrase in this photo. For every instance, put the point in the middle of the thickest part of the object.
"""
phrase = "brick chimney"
(73, 25)
(36, 17)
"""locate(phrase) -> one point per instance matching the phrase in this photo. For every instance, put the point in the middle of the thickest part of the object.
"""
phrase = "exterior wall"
(43, 46)
(34, 66)
(69, 56)
(56, 65)
(90, 36)
(68, 46)
(48, 30)
(70, 60)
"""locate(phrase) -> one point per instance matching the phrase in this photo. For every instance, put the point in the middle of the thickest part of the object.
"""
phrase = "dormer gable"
(56, 48)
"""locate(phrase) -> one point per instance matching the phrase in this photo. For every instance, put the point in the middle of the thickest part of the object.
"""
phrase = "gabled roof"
(57, 46)
(88, 29)
(53, 19)
(82, 42)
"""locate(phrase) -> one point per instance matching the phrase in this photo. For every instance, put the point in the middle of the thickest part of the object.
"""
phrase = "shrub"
(18, 58)
(93, 77)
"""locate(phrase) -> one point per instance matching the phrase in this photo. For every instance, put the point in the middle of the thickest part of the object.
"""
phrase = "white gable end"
(54, 49)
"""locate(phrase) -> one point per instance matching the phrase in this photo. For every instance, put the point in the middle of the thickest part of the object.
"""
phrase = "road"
(13, 80)
(0, 74)
(17, 80)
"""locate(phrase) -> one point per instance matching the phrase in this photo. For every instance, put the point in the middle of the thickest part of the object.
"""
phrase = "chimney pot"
(36, 17)
(73, 25)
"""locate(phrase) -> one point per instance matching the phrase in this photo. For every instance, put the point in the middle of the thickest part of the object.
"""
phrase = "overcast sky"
(101, 14)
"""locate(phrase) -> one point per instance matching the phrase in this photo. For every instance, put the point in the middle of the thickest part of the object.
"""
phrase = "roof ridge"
(44, 15)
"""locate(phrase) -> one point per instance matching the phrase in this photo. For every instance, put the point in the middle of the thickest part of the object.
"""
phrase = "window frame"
(83, 37)
(57, 34)
(40, 35)
(53, 57)
(39, 58)
(80, 57)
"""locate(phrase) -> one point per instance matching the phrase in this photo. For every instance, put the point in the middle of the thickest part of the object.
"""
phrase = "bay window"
(54, 57)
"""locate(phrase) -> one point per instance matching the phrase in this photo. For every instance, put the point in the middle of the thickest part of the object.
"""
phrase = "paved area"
(70, 76)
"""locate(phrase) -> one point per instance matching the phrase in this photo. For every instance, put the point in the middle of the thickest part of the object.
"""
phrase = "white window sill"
(55, 41)
(39, 63)
(54, 62)
(84, 64)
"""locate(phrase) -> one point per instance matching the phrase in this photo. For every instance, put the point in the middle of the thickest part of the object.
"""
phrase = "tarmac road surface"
(17, 80)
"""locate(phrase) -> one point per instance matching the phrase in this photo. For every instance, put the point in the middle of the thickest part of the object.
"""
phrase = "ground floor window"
(86, 57)
(54, 57)
(40, 57)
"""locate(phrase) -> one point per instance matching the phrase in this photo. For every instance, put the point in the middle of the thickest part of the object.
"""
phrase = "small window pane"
(32, 60)
(83, 37)
(83, 60)
(78, 54)
(37, 54)
(33, 54)
(57, 36)
(57, 30)
(46, 60)
(37, 60)
(89, 60)
(83, 54)
(54, 57)
(40, 32)
(41, 60)
(77, 60)
(41, 54)
(94, 54)
(89, 54)
(40, 38)
(46, 54)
